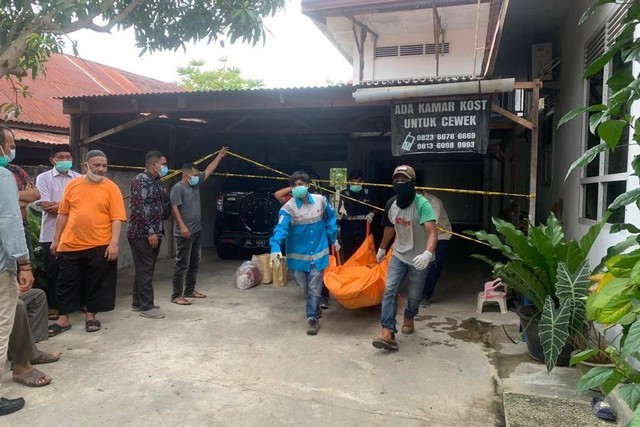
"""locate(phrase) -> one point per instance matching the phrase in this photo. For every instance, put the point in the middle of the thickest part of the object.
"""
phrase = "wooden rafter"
(132, 123)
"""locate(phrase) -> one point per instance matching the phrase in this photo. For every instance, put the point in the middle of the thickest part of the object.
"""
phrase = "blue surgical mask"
(194, 180)
(355, 188)
(164, 170)
(63, 166)
(299, 191)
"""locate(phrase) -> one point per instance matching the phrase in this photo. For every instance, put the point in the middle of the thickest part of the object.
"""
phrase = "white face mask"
(94, 177)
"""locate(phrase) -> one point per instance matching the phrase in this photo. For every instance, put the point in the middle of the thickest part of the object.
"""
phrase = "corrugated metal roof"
(418, 81)
(40, 137)
(195, 93)
(71, 76)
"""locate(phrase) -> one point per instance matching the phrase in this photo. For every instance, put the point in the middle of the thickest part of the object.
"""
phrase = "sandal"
(46, 358)
(92, 325)
(196, 294)
(55, 329)
(35, 378)
(181, 301)
(54, 316)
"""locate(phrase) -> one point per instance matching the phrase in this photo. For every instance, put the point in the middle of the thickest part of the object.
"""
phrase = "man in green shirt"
(410, 217)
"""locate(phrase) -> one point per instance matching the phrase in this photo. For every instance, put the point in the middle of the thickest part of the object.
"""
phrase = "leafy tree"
(223, 78)
(31, 30)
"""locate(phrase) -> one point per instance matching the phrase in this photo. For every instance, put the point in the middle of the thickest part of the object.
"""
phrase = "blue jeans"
(396, 273)
(311, 284)
(435, 268)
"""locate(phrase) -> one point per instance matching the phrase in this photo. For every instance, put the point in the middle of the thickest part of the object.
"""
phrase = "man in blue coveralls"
(305, 222)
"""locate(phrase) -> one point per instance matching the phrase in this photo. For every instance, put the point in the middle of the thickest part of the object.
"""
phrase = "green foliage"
(554, 329)
(37, 258)
(31, 31)
(226, 77)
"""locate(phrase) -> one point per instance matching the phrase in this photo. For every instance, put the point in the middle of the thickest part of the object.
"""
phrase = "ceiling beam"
(119, 128)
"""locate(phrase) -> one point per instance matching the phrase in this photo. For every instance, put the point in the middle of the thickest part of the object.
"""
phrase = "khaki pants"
(8, 301)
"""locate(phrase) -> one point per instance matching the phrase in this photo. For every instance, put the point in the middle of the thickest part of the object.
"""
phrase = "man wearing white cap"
(410, 217)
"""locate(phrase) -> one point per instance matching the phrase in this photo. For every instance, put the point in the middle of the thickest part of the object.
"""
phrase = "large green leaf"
(592, 234)
(611, 302)
(583, 355)
(495, 242)
(610, 132)
(635, 421)
(524, 279)
(518, 242)
(632, 341)
(581, 110)
(620, 80)
(540, 241)
(553, 230)
(599, 62)
(574, 288)
(621, 265)
(625, 199)
(616, 228)
(554, 330)
(571, 254)
(586, 158)
(489, 261)
(616, 249)
(594, 378)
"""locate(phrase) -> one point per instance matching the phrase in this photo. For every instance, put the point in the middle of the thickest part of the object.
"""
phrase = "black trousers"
(53, 269)
(144, 263)
(86, 278)
(353, 233)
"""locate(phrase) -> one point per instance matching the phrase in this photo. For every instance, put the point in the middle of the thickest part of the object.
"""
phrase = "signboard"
(451, 125)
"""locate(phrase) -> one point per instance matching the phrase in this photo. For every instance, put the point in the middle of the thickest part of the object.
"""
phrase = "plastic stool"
(491, 294)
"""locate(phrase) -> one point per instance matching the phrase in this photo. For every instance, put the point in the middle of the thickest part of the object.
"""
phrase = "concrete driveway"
(243, 358)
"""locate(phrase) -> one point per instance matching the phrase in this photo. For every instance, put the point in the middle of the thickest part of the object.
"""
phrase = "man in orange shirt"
(88, 226)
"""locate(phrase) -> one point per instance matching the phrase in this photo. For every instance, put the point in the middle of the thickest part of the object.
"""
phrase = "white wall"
(568, 144)
(458, 62)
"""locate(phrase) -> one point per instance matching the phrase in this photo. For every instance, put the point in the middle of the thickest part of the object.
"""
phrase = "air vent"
(430, 48)
(411, 50)
(386, 51)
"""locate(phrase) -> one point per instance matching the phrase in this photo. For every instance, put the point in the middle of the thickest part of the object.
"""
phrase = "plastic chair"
(491, 294)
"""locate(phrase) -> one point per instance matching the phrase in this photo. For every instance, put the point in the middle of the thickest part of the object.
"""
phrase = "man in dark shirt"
(354, 216)
(149, 207)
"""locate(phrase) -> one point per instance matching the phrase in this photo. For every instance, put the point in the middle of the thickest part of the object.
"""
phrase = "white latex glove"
(381, 254)
(369, 217)
(337, 246)
(276, 258)
(422, 261)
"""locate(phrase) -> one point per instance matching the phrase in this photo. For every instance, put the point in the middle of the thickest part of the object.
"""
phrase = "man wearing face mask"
(354, 216)
(85, 240)
(410, 218)
(148, 208)
(307, 223)
(51, 185)
(185, 205)
(27, 192)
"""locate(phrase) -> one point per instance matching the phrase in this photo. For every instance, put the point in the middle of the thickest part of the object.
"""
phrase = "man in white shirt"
(51, 185)
(442, 248)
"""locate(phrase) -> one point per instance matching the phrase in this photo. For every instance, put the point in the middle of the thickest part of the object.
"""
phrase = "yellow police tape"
(285, 176)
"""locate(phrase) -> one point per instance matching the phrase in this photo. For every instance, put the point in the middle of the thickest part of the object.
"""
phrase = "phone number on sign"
(445, 145)
(446, 136)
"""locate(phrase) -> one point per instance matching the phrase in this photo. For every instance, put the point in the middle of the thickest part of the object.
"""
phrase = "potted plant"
(553, 275)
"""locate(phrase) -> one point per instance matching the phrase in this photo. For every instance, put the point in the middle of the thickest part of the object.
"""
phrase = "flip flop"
(46, 358)
(54, 316)
(92, 325)
(602, 409)
(30, 379)
(55, 329)
(181, 301)
(196, 294)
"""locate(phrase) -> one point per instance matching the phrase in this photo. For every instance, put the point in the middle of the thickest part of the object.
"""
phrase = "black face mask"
(405, 193)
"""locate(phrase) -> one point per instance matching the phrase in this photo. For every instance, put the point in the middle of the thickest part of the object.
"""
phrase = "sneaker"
(137, 308)
(324, 303)
(426, 302)
(152, 313)
(312, 326)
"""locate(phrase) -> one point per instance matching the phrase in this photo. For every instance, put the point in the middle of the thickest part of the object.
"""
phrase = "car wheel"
(225, 252)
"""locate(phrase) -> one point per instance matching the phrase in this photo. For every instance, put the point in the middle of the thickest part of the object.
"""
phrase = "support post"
(533, 171)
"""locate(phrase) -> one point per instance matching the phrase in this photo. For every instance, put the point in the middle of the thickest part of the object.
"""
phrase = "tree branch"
(18, 21)
(105, 6)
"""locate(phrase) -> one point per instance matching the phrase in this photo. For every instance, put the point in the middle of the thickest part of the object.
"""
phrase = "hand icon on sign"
(408, 142)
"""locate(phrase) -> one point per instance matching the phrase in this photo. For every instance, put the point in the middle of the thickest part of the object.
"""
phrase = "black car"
(248, 211)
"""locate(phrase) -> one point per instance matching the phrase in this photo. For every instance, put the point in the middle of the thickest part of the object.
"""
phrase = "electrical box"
(542, 61)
